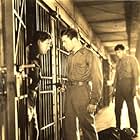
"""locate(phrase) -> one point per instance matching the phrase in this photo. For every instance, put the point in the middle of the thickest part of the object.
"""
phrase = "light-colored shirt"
(128, 67)
(84, 66)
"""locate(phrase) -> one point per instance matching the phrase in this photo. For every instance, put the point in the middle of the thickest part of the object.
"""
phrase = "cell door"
(53, 69)
(46, 100)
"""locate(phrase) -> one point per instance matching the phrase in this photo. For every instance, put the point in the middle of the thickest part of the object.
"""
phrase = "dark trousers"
(33, 129)
(124, 91)
(77, 99)
(32, 115)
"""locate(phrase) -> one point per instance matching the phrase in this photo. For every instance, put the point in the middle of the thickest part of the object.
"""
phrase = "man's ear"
(74, 40)
(38, 42)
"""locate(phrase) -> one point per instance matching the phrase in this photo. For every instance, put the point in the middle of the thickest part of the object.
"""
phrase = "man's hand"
(62, 88)
(31, 111)
(91, 108)
(134, 91)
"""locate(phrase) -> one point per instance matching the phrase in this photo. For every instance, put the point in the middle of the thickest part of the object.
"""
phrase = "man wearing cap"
(126, 81)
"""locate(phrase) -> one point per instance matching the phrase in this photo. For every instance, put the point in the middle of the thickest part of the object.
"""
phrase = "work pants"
(124, 91)
(77, 100)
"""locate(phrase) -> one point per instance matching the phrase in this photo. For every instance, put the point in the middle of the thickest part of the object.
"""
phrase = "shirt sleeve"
(96, 79)
(34, 74)
(135, 70)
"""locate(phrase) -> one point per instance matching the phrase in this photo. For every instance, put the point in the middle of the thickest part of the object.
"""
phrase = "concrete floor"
(105, 118)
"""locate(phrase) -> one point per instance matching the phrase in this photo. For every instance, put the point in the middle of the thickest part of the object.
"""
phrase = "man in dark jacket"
(40, 45)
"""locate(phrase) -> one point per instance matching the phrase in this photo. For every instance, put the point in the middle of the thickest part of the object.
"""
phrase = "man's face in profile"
(44, 46)
(120, 53)
(67, 43)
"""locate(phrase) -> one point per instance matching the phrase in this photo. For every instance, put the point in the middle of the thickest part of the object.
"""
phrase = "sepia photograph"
(69, 70)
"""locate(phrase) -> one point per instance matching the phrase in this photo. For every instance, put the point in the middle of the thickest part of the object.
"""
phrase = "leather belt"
(125, 78)
(76, 83)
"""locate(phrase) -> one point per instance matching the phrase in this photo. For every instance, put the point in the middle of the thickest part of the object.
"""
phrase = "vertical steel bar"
(54, 79)
(16, 120)
(9, 51)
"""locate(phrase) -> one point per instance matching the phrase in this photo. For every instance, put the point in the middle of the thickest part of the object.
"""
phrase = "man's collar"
(79, 50)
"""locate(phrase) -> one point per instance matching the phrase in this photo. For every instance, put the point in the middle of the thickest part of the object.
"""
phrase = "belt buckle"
(80, 83)
(76, 83)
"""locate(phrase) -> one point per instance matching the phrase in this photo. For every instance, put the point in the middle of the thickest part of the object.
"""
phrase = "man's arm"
(136, 72)
(97, 79)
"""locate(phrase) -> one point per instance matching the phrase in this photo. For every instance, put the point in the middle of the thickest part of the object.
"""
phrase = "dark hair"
(119, 47)
(38, 35)
(70, 32)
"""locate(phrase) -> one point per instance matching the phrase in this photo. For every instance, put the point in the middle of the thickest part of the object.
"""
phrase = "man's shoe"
(136, 135)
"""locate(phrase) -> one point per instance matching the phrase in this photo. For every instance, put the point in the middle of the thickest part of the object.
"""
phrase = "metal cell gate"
(20, 59)
(53, 73)
(46, 100)
(26, 17)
